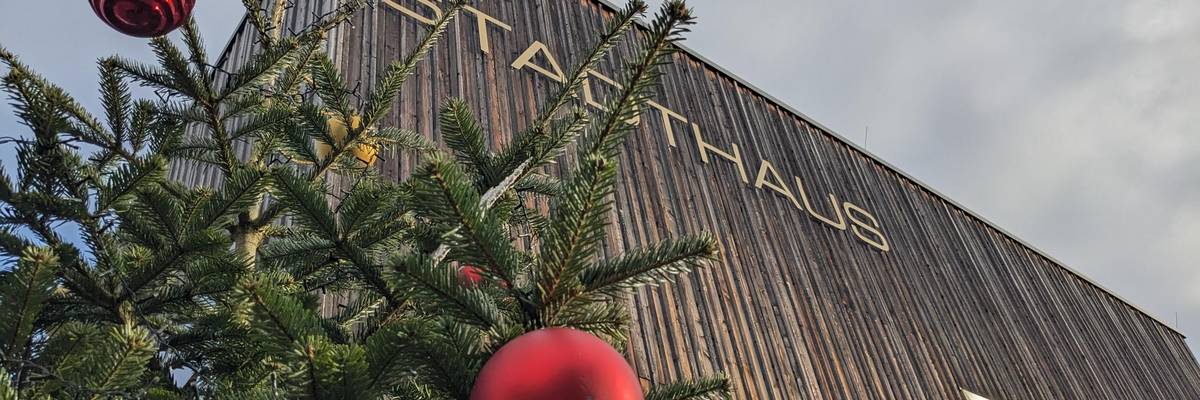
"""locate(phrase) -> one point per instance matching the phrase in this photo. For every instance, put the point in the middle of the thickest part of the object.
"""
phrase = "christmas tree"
(199, 292)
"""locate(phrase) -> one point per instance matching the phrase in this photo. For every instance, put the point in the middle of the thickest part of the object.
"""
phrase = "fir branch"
(361, 205)
(622, 22)
(116, 99)
(237, 106)
(463, 135)
(295, 74)
(254, 14)
(394, 223)
(332, 371)
(368, 271)
(326, 22)
(43, 105)
(176, 68)
(148, 76)
(716, 388)
(241, 190)
(561, 133)
(195, 44)
(576, 229)
(295, 247)
(23, 293)
(541, 184)
(119, 363)
(436, 288)
(392, 79)
(330, 87)
(358, 311)
(264, 67)
(281, 319)
(200, 149)
(296, 143)
(640, 81)
(69, 347)
(649, 266)
(549, 134)
(11, 244)
(7, 391)
(155, 205)
(536, 150)
(190, 112)
(257, 123)
(454, 195)
(306, 201)
(546, 138)
(405, 139)
(603, 317)
(140, 125)
(449, 358)
(349, 380)
(392, 352)
(128, 179)
(198, 243)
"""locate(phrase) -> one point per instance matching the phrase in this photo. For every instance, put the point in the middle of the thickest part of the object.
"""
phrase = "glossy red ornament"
(143, 18)
(470, 276)
(557, 364)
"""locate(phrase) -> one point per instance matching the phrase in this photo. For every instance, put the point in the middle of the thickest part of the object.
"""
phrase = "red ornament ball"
(557, 364)
(143, 18)
(470, 276)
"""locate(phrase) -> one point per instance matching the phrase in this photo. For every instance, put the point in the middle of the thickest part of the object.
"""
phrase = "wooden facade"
(840, 277)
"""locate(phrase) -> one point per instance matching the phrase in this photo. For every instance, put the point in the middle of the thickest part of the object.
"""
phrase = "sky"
(1071, 123)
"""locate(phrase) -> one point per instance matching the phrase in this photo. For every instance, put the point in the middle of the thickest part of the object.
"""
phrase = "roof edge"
(237, 31)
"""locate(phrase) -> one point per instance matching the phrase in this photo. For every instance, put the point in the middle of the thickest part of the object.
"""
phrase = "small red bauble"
(143, 18)
(470, 276)
(557, 364)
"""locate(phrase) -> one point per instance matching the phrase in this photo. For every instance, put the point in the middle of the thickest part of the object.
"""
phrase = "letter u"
(840, 223)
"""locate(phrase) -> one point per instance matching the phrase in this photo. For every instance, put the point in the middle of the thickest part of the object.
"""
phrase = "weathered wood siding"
(796, 308)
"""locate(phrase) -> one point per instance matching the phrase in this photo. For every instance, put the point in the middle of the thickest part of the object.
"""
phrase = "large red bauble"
(143, 18)
(557, 364)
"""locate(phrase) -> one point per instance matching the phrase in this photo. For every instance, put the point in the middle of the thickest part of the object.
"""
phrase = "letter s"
(866, 227)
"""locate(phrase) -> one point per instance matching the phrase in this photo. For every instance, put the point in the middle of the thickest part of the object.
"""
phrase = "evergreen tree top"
(207, 292)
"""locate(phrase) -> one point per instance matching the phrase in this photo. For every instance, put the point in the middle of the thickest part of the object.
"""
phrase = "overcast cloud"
(1071, 123)
(1068, 122)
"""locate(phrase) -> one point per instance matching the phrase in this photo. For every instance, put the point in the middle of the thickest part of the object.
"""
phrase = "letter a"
(526, 60)
(775, 183)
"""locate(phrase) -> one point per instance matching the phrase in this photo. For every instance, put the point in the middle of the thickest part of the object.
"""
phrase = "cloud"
(1070, 123)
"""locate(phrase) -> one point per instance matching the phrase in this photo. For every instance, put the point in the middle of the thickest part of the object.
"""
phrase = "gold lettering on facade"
(590, 98)
(437, 12)
(862, 223)
(775, 183)
(735, 156)
(840, 224)
(485, 42)
(667, 116)
(526, 61)
(972, 396)
(866, 228)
